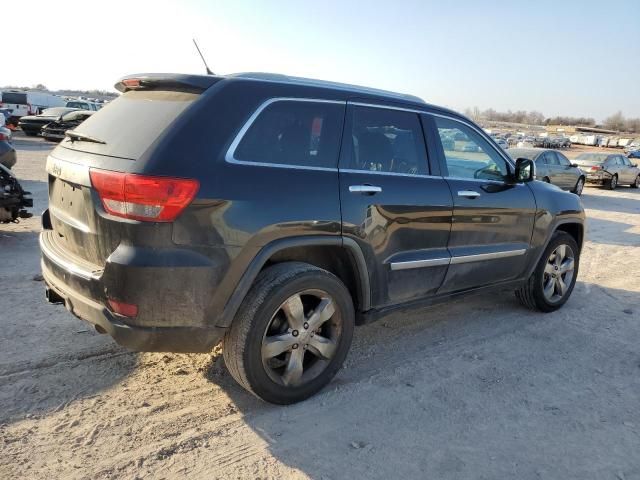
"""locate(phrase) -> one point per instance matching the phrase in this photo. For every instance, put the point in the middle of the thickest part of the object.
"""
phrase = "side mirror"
(525, 170)
(575, 165)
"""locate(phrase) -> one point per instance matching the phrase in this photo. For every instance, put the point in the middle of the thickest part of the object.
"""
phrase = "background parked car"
(553, 167)
(502, 142)
(609, 170)
(54, 131)
(83, 105)
(634, 154)
(32, 124)
(7, 152)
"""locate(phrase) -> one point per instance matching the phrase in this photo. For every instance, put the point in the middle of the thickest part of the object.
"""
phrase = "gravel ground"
(480, 388)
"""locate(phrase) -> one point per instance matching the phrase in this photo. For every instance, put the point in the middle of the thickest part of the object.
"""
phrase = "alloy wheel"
(301, 338)
(558, 273)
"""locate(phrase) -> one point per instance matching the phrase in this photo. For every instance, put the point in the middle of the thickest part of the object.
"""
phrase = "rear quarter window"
(14, 98)
(295, 133)
(130, 124)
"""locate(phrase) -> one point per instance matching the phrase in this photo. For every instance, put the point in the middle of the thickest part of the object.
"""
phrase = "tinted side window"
(17, 98)
(468, 154)
(297, 133)
(551, 158)
(564, 161)
(385, 140)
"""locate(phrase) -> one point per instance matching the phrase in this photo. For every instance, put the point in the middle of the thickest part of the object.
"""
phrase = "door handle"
(468, 194)
(365, 189)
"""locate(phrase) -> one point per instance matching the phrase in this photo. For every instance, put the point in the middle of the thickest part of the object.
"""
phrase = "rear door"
(395, 204)
(629, 171)
(553, 168)
(492, 216)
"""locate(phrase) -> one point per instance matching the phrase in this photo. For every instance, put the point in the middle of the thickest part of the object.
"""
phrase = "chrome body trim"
(438, 262)
(468, 193)
(69, 267)
(364, 189)
(391, 174)
(487, 256)
(432, 262)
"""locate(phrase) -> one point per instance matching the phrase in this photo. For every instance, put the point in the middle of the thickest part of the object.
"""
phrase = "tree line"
(616, 121)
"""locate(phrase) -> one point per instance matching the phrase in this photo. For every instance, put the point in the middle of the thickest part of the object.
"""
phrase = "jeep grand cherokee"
(275, 213)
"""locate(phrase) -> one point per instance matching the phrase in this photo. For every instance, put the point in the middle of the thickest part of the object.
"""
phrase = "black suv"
(275, 213)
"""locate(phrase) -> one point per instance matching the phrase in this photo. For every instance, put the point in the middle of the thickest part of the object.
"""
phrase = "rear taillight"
(139, 197)
(595, 168)
(121, 308)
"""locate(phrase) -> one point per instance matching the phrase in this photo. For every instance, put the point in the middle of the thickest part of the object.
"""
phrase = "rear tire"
(548, 288)
(612, 183)
(302, 307)
(546, 180)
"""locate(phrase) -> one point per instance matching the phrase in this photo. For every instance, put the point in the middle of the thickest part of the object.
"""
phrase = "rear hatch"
(114, 143)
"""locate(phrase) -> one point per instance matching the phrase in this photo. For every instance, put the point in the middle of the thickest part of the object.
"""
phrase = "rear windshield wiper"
(73, 136)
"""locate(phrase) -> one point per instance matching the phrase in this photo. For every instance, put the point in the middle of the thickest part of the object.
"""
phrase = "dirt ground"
(480, 388)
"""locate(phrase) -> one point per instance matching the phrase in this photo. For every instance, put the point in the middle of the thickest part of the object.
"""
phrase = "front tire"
(551, 284)
(579, 187)
(291, 333)
(636, 183)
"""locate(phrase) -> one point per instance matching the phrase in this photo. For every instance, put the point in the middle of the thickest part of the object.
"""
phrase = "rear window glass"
(18, 98)
(294, 133)
(131, 123)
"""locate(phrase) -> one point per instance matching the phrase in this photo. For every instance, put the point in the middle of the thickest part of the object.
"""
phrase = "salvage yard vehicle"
(32, 124)
(8, 156)
(275, 213)
(553, 167)
(55, 131)
(14, 201)
(609, 170)
(21, 103)
(84, 105)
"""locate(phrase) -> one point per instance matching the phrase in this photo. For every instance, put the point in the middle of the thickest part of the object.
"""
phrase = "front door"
(395, 205)
(493, 217)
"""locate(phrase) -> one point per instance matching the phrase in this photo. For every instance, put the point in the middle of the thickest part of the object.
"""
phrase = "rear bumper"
(164, 323)
(598, 178)
(139, 339)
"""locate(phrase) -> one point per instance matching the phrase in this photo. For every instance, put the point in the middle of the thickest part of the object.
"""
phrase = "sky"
(578, 58)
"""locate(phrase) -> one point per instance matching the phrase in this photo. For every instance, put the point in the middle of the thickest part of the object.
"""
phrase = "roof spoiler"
(166, 81)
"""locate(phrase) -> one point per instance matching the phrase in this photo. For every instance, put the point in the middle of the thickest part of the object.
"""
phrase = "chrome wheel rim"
(301, 338)
(558, 273)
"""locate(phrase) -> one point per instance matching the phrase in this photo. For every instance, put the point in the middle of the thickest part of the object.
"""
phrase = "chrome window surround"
(230, 158)
(230, 155)
(438, 262)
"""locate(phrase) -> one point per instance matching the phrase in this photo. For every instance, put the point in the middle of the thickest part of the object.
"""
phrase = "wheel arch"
(340, 256)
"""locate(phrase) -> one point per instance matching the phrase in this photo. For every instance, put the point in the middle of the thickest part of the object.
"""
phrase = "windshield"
(528, 154)
(77, 105)
(593, 157)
